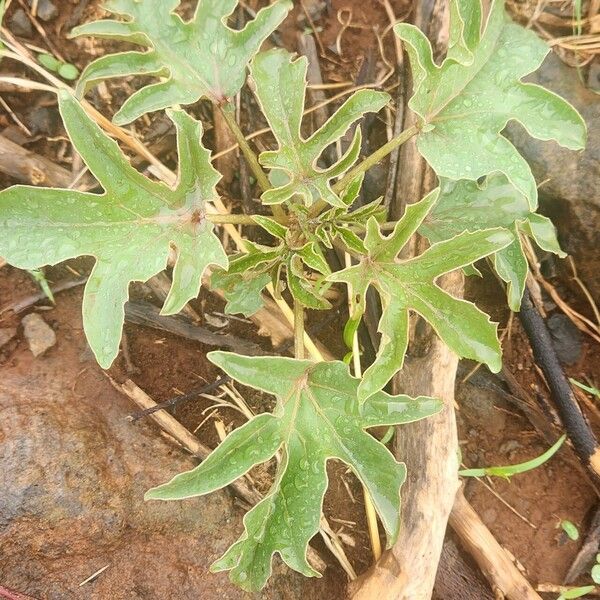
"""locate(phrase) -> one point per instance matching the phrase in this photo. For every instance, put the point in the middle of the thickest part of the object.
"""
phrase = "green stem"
(374, 158)
(228, 112)
(366, 164)
(298, 330)
(229, 115)
(230, 219)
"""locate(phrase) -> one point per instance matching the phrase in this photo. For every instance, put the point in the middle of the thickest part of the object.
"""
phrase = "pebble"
(46, 10)
(39, 335)
(19, 24)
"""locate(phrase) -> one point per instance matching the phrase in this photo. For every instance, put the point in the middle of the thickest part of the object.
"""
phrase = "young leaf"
(410, 285)
(570, 529)
(467, 101)
(317, 418)
(129, 229)
(280, 86)
(467, 206)
(199, 58)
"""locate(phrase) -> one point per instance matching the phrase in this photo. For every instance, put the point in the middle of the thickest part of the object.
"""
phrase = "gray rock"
(46, 11)
(566, 338)
(571, 192)
(19, 24)
(39, 335)
(478, 411)
(7, 334)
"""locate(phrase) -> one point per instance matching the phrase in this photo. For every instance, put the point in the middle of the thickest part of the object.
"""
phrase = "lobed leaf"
(199, 58)
(409, 285)
(469, 206)
(130, 229)
(317, 418)
(280, 86)
(466, 102)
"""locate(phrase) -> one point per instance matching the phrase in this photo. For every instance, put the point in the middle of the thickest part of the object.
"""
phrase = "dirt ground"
(523, 514)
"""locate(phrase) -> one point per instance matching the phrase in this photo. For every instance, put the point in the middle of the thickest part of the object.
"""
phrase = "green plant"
(510, 470)
(595, 572)
(570, 529)
(594, 391)
(577, 592)
(322, 411)
(65, 70)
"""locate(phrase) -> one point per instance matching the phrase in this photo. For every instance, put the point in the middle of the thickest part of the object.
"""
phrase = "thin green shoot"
(39, 277)
(577, 592)
(508, 471)
(594, 391)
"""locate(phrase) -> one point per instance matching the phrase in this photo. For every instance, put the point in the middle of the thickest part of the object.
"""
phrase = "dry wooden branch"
(148, 315)
(29, 167)
(457, 578)
(502, 574)
(588, 550)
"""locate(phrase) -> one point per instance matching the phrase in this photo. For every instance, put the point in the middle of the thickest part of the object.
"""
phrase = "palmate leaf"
(410, 285)
(317, 418)
(467, 101)
(199, 58)
(468, 206)
(130, 228)
(280, 86)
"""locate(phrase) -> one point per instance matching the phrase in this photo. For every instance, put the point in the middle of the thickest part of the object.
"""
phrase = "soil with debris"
(74, 470)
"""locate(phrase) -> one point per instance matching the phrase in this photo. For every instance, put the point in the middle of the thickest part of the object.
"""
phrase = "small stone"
(39, 335)
(7, 334)
(566, 338)
(509, 446)
(44, 120)
(19, 24)
(46, 11)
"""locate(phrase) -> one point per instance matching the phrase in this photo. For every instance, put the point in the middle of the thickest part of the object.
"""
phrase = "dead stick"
(29, 167)
(502, 574)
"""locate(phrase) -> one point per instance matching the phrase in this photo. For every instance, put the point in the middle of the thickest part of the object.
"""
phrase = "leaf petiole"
(235, 219)
(367, 164)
